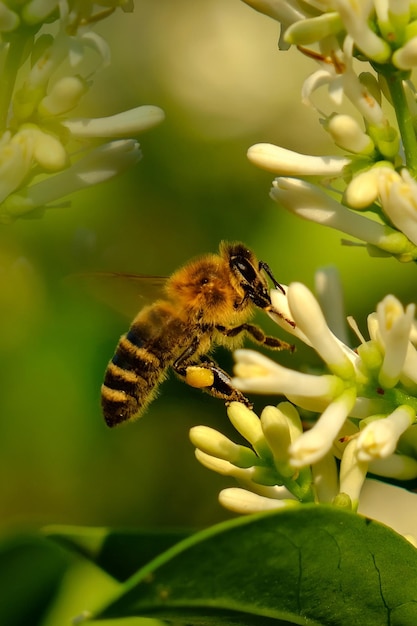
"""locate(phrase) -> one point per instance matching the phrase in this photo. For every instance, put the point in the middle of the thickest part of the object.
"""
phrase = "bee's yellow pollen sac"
(199, 377)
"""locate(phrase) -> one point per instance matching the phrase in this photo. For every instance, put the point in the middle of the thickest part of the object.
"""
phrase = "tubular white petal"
(123, 124)
(397, 466)
(315, 443)
(220, 466)
(257, 373)
(308, 31)
(352, 472)
(394, 327)
(309, 318)
(325, 478)
(282, 161)
(281, 10)
(355, 19)
(329, 292)
(391, 505)
(410, 364)
(280, 303)
(308, 202)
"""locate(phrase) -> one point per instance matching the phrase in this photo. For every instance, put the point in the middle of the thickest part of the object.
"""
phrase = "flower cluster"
(370, 193)
(360, 410)
(45, 153)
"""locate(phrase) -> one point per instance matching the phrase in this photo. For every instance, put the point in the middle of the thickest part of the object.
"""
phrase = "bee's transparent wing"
(124, 293)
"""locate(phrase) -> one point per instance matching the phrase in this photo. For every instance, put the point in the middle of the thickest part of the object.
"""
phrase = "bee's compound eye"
(245, 268)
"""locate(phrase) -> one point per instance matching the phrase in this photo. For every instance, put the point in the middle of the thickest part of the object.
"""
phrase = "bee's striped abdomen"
(131, 377)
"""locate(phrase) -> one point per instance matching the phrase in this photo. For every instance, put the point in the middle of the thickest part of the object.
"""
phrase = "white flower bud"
(35, 11)
(246, 502)
(405, 58)
(123, 124)
(394, 327)
(215, 444)
(363, 189)
(64, 95)
(399, 201)
(348, 135)
(282, 161)
(248, 424)
(15, 162)
(9, 20)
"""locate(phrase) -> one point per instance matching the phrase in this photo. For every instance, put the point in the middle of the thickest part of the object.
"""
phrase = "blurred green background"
(214, 67)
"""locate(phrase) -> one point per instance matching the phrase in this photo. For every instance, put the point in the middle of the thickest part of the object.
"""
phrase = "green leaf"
(31, 570)
(315, 565)
(120, 553)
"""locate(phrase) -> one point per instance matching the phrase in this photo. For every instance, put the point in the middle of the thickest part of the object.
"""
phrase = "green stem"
(404, 119)
(12, 64)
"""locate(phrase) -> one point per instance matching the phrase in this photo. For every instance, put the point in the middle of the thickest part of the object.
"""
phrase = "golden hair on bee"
(207, 302)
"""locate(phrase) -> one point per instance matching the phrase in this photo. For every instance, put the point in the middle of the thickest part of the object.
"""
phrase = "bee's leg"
(258, 335)
(209, 377)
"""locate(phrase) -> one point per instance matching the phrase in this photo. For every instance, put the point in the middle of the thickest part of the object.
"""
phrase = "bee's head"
(246, 270)
(202, 288)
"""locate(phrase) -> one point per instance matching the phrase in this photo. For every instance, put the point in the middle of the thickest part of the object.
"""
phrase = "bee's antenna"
(264, 266)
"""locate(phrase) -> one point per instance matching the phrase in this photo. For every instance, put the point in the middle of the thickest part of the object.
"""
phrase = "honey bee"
(206, 303)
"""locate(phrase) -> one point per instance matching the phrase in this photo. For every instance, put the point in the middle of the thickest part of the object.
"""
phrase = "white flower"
(393, 325)
(398, 195)
(99, 165)
(263, 468)
(310, 203)
(379, 438)
(355, 16)
(57, 70)
(329, 293)
(315, 443)
(259, 374)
